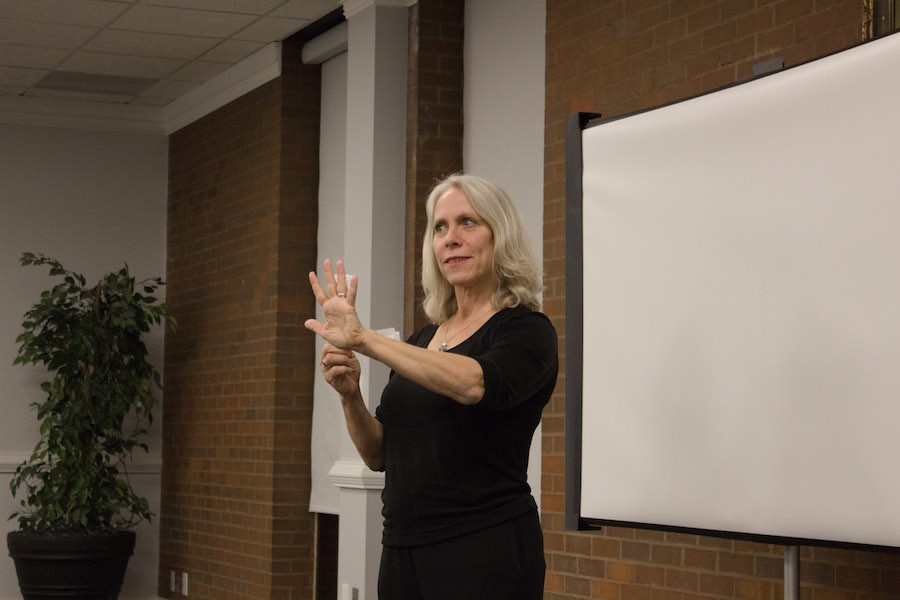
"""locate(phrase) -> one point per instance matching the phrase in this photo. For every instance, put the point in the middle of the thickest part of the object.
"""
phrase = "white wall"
(503, 106)
(94, 200)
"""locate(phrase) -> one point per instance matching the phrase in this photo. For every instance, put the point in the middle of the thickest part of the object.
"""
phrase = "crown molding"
(255, 70)
(326, 46)
(80, 114)
(354, 7)
(252, 72)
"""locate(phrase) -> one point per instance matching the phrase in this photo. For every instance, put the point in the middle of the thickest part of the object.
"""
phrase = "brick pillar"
(236, 421)
(434, 127)
(293, 539)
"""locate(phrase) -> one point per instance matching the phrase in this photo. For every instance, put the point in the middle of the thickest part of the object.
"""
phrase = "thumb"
(313, 326)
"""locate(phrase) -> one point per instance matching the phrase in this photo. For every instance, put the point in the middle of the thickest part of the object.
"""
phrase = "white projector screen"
(736, 309)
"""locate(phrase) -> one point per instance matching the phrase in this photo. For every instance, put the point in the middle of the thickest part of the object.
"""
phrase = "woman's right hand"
(341, 370)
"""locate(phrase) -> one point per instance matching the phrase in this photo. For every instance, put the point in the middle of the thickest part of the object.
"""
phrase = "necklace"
(443, 346)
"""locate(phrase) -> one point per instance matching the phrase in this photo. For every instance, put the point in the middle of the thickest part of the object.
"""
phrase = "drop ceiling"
(135, 56)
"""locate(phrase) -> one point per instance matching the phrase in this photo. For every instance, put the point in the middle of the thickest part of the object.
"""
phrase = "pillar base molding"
(355, 475)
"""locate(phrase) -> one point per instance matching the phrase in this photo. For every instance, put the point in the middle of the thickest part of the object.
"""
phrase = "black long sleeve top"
(452, 469)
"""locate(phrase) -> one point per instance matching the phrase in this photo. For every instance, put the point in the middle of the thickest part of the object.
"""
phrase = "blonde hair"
(514, 263)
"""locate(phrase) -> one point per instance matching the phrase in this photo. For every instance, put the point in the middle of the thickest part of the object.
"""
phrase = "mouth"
(454, 260)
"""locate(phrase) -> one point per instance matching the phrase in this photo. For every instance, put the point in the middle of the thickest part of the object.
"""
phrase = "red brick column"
(238, 378)
(434, 126)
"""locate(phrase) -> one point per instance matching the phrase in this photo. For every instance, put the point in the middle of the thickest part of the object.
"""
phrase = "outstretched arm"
(452, 375)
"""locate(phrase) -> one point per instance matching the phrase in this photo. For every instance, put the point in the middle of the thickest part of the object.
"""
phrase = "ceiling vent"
(94, 83)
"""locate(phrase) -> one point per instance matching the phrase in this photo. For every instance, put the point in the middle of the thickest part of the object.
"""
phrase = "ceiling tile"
(169, 89)
(137, 43)
(129, 66)
(306, 9)
(176, 21)
(14, 76)
(95, 13)
(270, 29)
(47, 35)
(35, 58)
(232, 51)
(165, 48)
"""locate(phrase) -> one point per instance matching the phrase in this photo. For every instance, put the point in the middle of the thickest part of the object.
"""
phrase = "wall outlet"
(184, 585)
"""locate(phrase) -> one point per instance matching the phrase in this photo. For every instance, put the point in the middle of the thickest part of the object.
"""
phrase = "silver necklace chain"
(443, 347)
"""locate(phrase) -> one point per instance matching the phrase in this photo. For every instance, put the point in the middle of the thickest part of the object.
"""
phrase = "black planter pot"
(83, 567)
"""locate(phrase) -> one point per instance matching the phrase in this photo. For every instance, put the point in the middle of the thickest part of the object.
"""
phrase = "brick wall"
(434, 127)
(241, 237)
(616, 57)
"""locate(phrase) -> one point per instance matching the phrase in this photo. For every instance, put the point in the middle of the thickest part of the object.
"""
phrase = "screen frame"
(576, 124)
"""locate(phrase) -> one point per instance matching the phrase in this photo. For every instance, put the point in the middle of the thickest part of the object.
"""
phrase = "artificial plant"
(98, 404)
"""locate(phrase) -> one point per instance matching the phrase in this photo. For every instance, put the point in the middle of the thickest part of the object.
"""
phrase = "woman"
(455, 423)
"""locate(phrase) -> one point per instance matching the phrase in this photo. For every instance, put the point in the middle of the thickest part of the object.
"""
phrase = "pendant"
(442, 347)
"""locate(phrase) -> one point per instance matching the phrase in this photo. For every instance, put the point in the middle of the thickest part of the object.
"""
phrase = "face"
(463, 242)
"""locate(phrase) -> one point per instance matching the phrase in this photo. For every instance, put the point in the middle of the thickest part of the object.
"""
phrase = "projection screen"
(736, 309)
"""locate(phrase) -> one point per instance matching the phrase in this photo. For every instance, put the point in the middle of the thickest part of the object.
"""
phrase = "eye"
(439, 227)
(469, 222)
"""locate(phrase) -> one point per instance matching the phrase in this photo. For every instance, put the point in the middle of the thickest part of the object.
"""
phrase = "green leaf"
(89, 338)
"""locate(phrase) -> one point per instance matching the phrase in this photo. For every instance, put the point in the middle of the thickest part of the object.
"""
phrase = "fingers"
(351, 290)
(336, 278)
(341, 323)
(332, 355)
(337, 364)
(340, 283)
(330, 289)
(341, 280)
(335, 285)
(318, 292)
(330, 282)
(331, 348)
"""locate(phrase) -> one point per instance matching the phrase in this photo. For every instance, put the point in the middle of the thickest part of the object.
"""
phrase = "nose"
(451, 240)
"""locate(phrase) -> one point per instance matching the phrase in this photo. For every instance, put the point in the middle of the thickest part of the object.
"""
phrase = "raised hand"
(342, 328)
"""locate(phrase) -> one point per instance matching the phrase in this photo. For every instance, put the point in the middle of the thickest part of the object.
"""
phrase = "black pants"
(504, 562)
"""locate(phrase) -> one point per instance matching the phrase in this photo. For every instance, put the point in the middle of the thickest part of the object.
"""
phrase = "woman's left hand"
(342, 327)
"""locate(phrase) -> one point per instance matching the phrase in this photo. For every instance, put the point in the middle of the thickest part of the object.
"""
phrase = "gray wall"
(94, 200)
